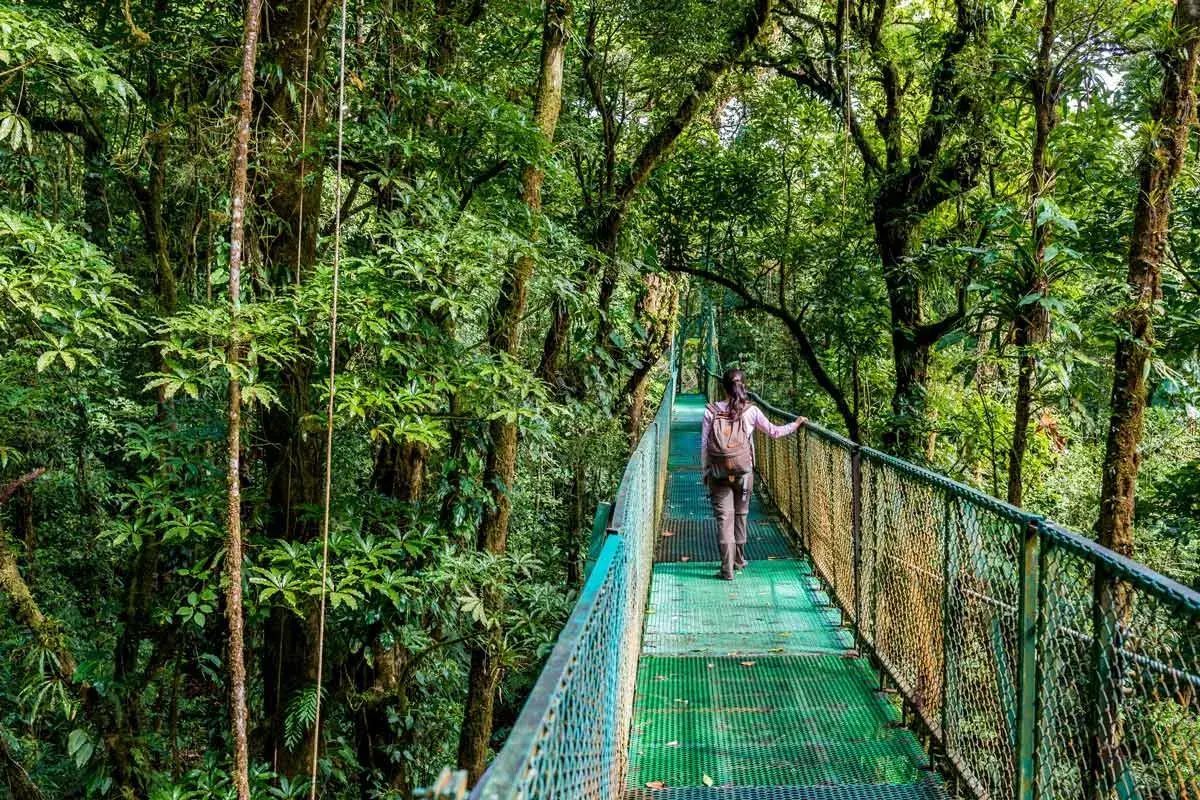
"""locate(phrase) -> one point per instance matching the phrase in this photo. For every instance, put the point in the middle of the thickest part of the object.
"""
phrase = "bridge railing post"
(949, 577)
(1028, 673)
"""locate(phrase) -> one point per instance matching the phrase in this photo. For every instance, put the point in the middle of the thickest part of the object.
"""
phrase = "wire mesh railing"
(1040, 664)
(570, 740)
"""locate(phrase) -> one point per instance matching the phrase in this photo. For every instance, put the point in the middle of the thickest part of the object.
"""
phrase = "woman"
(727, 458)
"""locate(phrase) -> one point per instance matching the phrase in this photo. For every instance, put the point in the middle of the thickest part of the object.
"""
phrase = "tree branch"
(11, 489)
(950, 100)
(928, 335)
(46, 631)
(824, 89)
(14, 776)
(478, 181)
(795, 328)
(660, 144)
(70, 127)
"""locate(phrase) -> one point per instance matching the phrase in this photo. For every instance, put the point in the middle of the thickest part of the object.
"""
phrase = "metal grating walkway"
(749, 690)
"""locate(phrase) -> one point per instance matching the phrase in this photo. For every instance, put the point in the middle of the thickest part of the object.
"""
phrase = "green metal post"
(802, 466)
(599, 528)
(1112, 608)
(1029, 614)
(949, 572)
(875, 547)
(1040, 729)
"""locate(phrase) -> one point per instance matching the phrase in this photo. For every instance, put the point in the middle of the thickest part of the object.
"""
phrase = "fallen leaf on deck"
(707, 780)
(668, 533)
(747, 663)
(685, 558)
(672, 744)
(655, 785)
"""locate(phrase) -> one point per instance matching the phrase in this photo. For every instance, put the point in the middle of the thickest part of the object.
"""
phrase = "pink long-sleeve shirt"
(752, 417)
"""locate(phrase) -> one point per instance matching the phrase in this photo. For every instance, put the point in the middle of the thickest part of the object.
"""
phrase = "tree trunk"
(399, 470)
(577, 528)
(1160, 163)
(555, 342)
(1033, 320)
(150, 201)
(909, 186)
(291, 183)
(657, 309)
(893, 235)
(233, 545)
(95, 201)
(504, 336)
(377, 736)
(289, 186)
(13, 774)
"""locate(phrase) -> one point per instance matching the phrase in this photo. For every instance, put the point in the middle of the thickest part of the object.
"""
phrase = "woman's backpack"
(730, 452)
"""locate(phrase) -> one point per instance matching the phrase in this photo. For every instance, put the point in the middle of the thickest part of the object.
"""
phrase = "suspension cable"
(333, 325)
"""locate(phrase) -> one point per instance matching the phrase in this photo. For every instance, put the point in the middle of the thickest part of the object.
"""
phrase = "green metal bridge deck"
(753, 687)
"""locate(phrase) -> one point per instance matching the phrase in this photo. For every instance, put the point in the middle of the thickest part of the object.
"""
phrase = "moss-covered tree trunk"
(656, 309)
(504, 337)
(1033, 320)
(1161, 160)
(288, 185)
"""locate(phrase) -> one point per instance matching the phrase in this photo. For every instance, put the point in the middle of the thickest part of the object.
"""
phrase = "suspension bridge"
(896, 635)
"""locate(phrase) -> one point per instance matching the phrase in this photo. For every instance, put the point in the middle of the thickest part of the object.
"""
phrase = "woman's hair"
(735, 390)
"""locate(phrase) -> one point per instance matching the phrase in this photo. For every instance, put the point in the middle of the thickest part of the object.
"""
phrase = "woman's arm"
(764, 425)
(704, 426)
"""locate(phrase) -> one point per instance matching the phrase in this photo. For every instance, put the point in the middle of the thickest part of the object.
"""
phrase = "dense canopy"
(963, 231)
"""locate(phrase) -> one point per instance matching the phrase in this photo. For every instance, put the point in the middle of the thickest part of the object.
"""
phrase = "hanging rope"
(303, 145)
(844, 23)
(333, 324)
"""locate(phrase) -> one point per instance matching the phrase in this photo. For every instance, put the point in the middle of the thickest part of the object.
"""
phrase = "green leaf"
(950, 339)
(79, 747)
(1030, 298)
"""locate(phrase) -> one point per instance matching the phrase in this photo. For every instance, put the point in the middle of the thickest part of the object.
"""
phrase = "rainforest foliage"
(961, 230)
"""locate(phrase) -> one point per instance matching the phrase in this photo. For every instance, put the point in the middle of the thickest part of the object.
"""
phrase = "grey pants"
(731, 507)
